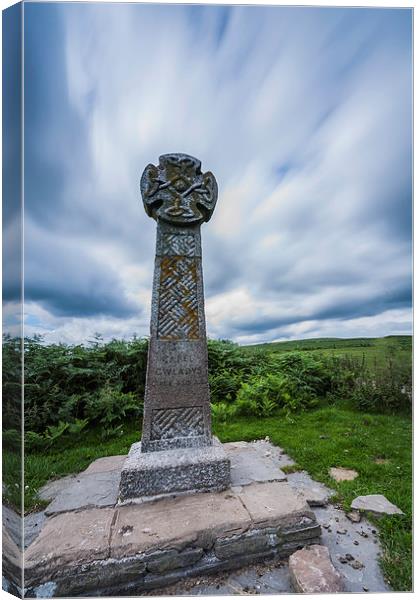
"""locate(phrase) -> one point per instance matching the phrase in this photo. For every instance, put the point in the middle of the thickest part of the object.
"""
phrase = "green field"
(375, 351)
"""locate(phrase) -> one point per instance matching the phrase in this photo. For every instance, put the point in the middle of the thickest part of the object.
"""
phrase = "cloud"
(304, 116)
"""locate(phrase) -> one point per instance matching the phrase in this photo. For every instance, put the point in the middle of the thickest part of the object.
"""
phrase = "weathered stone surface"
(177, 411)
(312, 571)
(376, 504)
(92, 490)
(177, 470)
(12, 522)
(197, 519)
(354, 516)
(141, 546)
(107, 463)
(11, 556)
(273, 504)
(250, 465)
(170, 560)
(342, 474)
(313, 492)
(176, 407)
(70, 539)
(52, 488)
(33, 524)
(252, 542)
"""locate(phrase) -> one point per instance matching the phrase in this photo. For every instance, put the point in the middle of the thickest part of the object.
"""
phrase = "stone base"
(129, 549)
(174, 471)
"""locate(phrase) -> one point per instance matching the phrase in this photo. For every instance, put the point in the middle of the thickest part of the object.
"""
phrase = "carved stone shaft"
(176, 406)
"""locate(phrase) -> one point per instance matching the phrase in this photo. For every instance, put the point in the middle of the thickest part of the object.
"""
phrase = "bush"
(110, 407)
(104, 383)
(61, 379)
(223, 412)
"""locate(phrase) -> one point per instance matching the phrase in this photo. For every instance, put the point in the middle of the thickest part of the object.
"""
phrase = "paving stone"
(313, 492)
(107, 463)
(196, 519)
(265, 447)
(93, 490)
(11, 565)
(312, 571)
(70, 539)
(33, 524)
(172, 559)
(342, 474)
(249, 543)
(250, 465)
(274, 503)
(12, 522)
(354, 516)
(54, 487)
(376, 504)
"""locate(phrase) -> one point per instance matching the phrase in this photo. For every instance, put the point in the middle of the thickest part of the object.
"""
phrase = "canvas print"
(207, 296)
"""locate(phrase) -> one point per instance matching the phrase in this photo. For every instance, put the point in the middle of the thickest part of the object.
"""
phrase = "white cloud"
(302, 115)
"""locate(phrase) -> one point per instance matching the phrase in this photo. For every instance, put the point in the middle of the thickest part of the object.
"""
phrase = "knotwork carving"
(177, 191)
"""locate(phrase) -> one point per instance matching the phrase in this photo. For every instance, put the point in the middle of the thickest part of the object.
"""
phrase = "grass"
(316, 440)
(375, 351)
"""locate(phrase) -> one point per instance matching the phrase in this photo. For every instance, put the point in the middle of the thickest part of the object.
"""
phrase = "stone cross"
(176, 405)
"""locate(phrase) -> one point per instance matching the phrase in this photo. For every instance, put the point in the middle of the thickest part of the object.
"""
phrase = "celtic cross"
(176, 406)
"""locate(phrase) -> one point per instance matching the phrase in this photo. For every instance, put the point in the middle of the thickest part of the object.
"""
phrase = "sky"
(302, 114)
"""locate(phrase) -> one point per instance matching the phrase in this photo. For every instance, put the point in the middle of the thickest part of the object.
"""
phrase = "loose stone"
(354, 516)
(377, 504)
(312, 571)
(357, 564)
(341, 474)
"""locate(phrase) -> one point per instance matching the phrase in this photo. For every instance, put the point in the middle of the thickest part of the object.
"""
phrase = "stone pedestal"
(174, 471)
(177, 452)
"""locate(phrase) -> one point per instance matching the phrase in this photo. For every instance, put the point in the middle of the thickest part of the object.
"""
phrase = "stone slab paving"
(52, 488)
(13, 523)
(315, 493)
(251, 463)
(110, 551)
(107, 463)
(98, 489)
